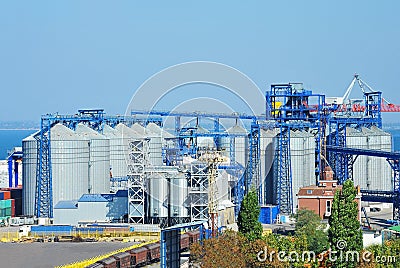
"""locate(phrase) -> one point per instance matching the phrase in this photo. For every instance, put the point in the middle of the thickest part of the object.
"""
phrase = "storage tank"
(70, 163)
(29, 168)
(158, 195)
(356, 139)
(118, 166)
(153, 132)
(99, 159)
(379, 171)
(241, 144)
(267, 161)
(126, 135)
(179, 198)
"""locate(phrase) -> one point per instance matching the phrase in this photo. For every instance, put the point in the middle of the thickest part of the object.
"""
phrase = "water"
(12, 138)
(395, 138)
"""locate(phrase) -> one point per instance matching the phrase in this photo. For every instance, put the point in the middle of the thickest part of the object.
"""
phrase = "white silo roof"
(128, 132)
(153, 128)
(61, 132)
(236, 129)
(110, 132)
(139, 129)
(87, 132)
(32, 136)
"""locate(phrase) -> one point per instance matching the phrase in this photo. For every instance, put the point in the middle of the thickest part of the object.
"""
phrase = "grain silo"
(29, 168)
(118, 166)
(240, 146)
(267, 162)
(70, 164)
(153, 132)
(158, 196)
(302, 153)
(379, 172)
(99, 159)
(179, 198)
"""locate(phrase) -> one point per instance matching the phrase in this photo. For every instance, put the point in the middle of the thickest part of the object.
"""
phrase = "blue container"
(1, 195)
(51, 229)
(268, 214)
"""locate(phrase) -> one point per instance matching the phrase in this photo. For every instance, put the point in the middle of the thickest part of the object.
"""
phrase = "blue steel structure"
(292, 107)
(13, 160)
(170, 246)
(377, 196)
(186, 138)
(95, 118)
(338, 123)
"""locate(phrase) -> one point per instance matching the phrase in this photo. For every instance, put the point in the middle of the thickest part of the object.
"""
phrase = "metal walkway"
(371, 195)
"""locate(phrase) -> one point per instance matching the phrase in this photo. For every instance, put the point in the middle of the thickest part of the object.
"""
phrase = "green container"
(2, 212)
(3, 204)
(8, 212)
(8, 203)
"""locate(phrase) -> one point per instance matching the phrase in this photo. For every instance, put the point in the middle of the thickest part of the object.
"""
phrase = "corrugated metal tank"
(70, 159)
(356, 139)
(153, 132)
(241, 144)
(379, 171)
(99, 159)
(302, 151)
(179, 196)
(158, 194)
(29, 167)
(267, 161)
(117, 166)
(125, 134)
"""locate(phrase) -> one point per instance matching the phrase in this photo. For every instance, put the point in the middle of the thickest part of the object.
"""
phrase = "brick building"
(320, 198)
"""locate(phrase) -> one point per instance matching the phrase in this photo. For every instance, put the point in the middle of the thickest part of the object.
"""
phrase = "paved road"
(42, 255)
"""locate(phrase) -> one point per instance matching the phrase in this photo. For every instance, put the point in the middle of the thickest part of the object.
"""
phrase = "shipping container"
(5, 195)
(268, 214)
(51, 230)
(12, 207)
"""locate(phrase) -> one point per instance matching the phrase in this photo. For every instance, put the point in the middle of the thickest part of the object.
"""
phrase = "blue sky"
(60, 56)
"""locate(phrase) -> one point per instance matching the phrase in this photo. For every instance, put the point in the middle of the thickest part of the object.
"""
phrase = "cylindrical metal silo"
(99, 159)
(158, 196)
(29, 168)
(70, 163)
(379, 171)
(267, 160)
(178, 198)
(241, 144)
(118, 166)
(153, 132)
(356, 139)
(298, 162)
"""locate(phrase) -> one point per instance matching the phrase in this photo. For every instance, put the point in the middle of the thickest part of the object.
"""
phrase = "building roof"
(92, 198)
(66, 204)
(395, 228)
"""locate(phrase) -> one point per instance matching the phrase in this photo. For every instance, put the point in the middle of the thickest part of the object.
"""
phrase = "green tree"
(309, 224)
(344, 228)
(249, 213)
